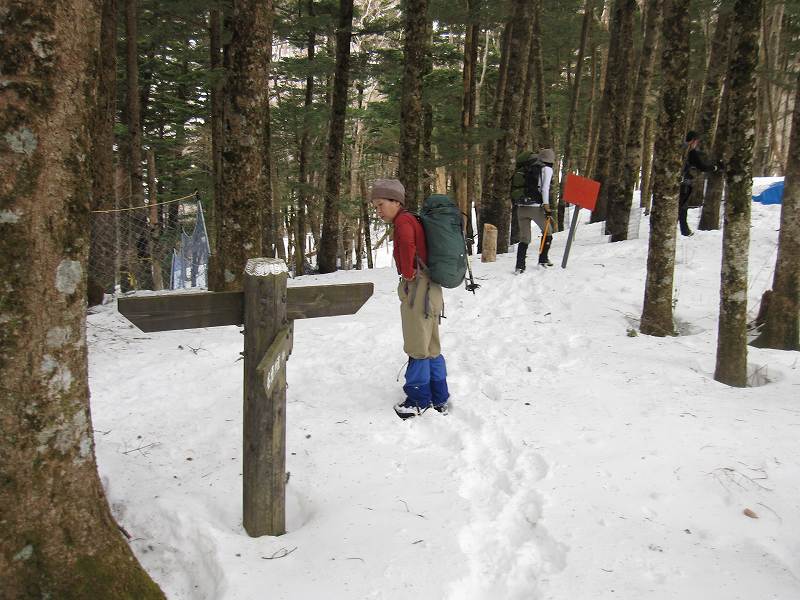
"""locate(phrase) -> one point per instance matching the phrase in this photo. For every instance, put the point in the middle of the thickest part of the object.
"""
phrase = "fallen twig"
(280, 553)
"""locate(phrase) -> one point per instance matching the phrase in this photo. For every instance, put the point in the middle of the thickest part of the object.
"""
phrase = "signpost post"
(581, 192)
(267, 308)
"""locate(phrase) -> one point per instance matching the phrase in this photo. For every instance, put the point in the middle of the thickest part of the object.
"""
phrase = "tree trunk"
(709, 219)
(366, 221)
(645, 195)
(543, 134)
(706, 123)
(137, 219)
(245, 174)
(155, 228)
(657, 309)
(101, 253)
(428, 169)
(333, 159)
(305, 144)
(620, 204)
(614, 122)
(491, 147)
(567, 160)
(497, 208)
(415, 47)
(781, 328)
(732, 330)
(59, 539)
(526, 139)
(217, 123)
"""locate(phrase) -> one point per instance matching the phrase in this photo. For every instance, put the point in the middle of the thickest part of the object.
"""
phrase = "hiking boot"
(408, 409)
(545, 263)
(441, 408)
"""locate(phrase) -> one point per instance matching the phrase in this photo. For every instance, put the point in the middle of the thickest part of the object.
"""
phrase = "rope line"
(193, 195)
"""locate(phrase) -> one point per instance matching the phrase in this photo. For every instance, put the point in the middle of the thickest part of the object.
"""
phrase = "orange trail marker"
(581, 192)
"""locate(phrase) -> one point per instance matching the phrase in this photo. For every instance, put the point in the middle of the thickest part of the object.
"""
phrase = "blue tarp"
(772, 195)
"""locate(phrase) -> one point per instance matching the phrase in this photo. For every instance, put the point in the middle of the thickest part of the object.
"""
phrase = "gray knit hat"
(546, 155)
(388, 189)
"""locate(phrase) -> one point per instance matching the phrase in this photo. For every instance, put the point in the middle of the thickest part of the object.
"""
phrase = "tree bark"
(709, 219)
(731, 365)
(645, 195)
(620, 204)
(497, 208)
(216, 90)
(543, 134)
(333, 159)
(657, 310)
(781, 328)
(706, 123)
(58, 539)
(415, 47)
(615, 112)
(101, 253)
(245, 172)
(305, 144)
(137, 219)
(567, 160)
(155, 229)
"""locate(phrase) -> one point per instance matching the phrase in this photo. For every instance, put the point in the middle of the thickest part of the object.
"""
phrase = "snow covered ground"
(577, 462)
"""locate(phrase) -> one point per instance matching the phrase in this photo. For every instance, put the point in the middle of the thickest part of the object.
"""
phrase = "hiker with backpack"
(530, 192)
(421, 304)
(694, 160)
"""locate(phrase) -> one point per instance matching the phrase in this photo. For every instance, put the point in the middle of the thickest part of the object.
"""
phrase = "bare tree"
(58, 537)
(731, 365)
(333, 166)
(415, 47)
(620, 210)
(657, 309)
(781, 306)
(245, 170)
(496, 209)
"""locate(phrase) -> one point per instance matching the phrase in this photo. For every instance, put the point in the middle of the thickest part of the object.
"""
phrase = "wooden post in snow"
(489, 246)
(266, 337)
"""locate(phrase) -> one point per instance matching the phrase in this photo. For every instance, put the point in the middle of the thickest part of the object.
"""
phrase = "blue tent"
(772, 195)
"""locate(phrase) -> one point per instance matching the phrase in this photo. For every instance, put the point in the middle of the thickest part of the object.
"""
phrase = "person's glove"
(547, 210)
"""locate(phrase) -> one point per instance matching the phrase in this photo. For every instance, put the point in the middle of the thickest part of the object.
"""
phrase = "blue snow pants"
(426, 381)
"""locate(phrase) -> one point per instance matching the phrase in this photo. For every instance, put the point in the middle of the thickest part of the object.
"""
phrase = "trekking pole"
(547, 220)
(471, 286)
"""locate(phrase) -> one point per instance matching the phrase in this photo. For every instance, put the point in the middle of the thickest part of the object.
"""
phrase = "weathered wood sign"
(267, 308)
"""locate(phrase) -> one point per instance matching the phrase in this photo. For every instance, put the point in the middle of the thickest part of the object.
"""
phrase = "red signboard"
(581, 191)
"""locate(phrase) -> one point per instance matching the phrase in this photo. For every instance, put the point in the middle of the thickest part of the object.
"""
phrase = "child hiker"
(421, 304)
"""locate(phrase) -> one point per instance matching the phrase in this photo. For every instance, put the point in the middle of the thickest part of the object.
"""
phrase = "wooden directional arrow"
(214, 309)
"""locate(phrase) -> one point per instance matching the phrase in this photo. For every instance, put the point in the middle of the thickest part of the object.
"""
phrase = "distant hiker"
(530, 192)
(421, 304)
(694, 160)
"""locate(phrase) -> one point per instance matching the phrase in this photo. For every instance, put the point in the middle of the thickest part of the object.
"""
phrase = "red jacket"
(409, 241)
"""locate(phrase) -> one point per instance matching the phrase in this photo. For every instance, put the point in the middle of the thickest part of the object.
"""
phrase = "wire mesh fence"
(150, 247)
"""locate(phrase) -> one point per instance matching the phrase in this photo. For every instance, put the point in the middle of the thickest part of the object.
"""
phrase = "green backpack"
(447, 258)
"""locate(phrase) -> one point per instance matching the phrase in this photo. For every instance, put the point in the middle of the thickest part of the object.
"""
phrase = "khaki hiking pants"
(421, 306)
(526, 214)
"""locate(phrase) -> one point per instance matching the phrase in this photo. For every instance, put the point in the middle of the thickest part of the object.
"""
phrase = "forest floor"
(578, 461)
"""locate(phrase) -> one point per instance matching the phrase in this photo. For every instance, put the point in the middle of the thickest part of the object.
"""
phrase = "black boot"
(543, 260)
(522, 250)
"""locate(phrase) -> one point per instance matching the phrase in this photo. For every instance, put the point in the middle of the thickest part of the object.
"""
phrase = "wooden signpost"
(267, 309)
